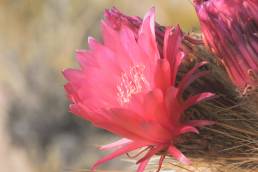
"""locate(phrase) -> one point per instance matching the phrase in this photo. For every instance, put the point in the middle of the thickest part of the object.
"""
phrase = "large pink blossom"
(126, 87)
(230, 29)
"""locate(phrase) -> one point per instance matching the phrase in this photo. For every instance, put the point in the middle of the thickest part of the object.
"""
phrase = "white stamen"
(132, 82)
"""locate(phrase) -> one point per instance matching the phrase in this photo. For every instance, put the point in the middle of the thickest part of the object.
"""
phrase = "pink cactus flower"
(126, 87)
(230, 29)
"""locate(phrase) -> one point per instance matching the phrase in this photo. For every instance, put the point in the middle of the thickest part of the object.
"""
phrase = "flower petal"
(178, 155)
(115, 144)
(152, 102)
(130, 147)
(163, 75)
(131, 125)
(200, 123)
(172, 42)
(151, 152)
(197, 99)
(191, 76)
(173, 106)
(187, 129)
(147, 39)
(143, 165)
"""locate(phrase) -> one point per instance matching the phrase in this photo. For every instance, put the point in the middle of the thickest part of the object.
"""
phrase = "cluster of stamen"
(132, 82)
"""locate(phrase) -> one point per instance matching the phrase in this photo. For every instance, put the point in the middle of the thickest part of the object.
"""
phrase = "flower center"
(132, 82)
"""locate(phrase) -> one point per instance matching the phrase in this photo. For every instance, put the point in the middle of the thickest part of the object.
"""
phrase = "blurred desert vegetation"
(38, 39)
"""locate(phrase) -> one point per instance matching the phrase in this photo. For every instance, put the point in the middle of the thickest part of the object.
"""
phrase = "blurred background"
(38, 39)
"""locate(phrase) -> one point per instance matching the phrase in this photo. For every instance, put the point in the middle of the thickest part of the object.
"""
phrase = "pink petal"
(147, 39)
(131, 49)
(110, 36)
(151, 152)
(162, 75)
(197, 99)
(178, 155)
(188, 81)
(137, 126)
(136, 103)
(143, 165)
(139, 153)
(71, 93)
(74, 108)
(177, 62)
(155, 112)
(152, 102)
(115, 144)
(201, 123)
(118, 42)
(173, 106)
(107, 121)
(187, 129)
(172, 42)
(73, 75)
(105, 58)
(130, 147)
(86, 59)
(190, 77)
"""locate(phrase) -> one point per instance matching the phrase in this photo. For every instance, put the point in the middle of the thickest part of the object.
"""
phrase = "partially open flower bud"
(230, 30)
